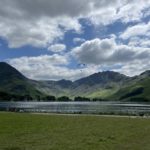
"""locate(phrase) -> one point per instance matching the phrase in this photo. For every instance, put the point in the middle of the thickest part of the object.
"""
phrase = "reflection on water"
(78, 107)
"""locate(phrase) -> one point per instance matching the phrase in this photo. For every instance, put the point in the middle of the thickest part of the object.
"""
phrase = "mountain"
(97, 85)
(106, 85)
(103, 78)
(14, 83)
(137, 89)
(100, 84)
(7, 73)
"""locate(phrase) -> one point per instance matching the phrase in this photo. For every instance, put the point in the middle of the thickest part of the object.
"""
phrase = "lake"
(78, 107)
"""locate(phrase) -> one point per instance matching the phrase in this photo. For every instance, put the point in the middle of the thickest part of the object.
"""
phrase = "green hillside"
(101, 85)
(134, 91)
(12, 82)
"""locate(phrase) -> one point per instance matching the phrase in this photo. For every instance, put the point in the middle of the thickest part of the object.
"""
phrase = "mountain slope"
(106, 85)
(13, 82)
(102, 78)
(99, 84)
(137, 89)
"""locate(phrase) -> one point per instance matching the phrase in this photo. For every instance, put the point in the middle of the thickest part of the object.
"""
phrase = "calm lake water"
(78, 107)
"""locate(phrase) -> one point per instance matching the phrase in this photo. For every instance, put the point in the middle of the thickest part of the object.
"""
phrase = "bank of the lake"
(54, 132)
(103, 107)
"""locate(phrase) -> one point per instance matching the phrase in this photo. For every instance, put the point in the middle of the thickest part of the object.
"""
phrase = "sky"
(71, 39)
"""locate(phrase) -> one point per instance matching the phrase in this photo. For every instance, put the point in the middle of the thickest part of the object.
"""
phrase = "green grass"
(103, 93)
(53, 132)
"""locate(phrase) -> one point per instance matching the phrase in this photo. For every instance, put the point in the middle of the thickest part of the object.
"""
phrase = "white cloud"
(42, 23)
(145, 43)
(137, 30)
(94, 51)
(56, 48)
(78, 40)
(106, 51)
(133, 10)
(39, 23)
(50, 68)
(97, 54)
(137, 41)
(123, 10)
(39, 33)
(45, 59)
(134, 68)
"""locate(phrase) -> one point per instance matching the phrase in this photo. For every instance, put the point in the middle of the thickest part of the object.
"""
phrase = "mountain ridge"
(105, 85)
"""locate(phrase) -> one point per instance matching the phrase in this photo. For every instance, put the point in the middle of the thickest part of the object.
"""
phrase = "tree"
(81, 99)
(5, 96)
(63, 98)
(49, 98)
(97, 99)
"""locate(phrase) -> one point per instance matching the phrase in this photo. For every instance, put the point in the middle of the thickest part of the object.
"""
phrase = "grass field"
(54, 132)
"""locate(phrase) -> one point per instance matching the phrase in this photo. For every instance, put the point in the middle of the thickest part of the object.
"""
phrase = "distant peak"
(4, 63)
(9, 71)
(146, 73)
(64, 80)
(109, 73)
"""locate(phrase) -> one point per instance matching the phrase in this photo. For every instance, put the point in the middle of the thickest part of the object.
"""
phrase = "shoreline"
(83, 115)
(90, 115)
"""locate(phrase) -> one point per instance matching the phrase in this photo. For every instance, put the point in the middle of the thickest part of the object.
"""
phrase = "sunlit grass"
(54, 132)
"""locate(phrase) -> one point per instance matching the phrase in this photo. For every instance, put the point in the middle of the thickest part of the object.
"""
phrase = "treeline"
(66, 99)
(13, 97)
